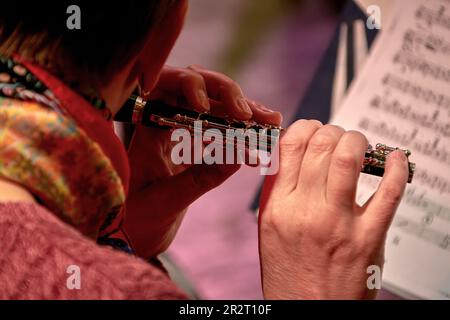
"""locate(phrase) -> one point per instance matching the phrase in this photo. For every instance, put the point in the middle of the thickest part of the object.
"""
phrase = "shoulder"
(12, 192)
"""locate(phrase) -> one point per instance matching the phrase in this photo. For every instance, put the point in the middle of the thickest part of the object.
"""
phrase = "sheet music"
(402, 98)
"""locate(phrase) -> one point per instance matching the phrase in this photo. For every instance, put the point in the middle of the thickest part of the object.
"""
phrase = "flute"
(158, 114)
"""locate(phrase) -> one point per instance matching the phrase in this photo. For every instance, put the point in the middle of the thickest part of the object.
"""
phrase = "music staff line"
(432, 181)
(433, 17)
(414, 196)
(413, 63)
(411, 114)
(414, 41)
(431, 208)
(422, 231)
(435, 147)
(417, 92)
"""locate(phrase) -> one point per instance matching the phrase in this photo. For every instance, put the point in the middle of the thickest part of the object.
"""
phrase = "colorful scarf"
(57, 146)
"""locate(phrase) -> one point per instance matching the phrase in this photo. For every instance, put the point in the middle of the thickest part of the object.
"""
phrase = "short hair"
(111, 33)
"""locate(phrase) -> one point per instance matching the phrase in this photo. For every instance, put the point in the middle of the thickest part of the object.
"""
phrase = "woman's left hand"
(161, 191)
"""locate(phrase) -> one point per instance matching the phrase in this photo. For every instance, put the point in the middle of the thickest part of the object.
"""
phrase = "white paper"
(402, 98)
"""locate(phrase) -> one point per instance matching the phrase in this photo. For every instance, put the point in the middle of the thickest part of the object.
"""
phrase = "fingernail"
(203, 100)
(243, 105)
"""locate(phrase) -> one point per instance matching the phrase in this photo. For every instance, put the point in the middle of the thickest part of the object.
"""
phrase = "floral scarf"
(56, 145)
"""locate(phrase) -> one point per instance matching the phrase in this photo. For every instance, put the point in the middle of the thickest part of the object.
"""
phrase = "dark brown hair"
(111, 33)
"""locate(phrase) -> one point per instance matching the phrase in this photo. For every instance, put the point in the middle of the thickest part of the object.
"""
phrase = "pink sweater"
(37, 250)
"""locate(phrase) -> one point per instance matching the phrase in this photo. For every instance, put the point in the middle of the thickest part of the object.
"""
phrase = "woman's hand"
(161, 191)
(315, 241)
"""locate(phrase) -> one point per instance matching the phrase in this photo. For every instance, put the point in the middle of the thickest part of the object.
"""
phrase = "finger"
(264, 115)
(185, 83)
(225, 90)
(382, 206)
(292, 148)
(261, 114)
(189, 185)
(164, 96)
(316, 162)
(345, 169)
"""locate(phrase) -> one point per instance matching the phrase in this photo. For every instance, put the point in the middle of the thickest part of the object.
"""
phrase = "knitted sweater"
(45, 258)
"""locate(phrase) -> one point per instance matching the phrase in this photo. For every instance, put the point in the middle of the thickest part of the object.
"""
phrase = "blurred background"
(272, 48)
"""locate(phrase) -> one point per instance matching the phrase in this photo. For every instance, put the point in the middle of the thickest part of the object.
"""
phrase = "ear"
(159, 43)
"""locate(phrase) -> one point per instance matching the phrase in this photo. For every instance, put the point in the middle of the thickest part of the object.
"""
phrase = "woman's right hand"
(315, 241)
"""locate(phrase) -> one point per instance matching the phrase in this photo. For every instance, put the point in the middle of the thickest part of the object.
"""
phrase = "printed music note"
(402, 97)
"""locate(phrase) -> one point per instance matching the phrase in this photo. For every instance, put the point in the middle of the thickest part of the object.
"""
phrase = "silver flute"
(158, 114)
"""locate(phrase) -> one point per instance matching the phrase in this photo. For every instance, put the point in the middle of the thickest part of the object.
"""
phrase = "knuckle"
(298, 135)
(277, 220)
(299, 123)
(334, 129)
(193, 67)
(298, 126)
(295, 131)
(302, 125)
(322, 141)
(229, 84)
(315, 123)
(272, 223)
(290, 144)
(190, 76)
(358, 136)
(347, 154)
(345, 160)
